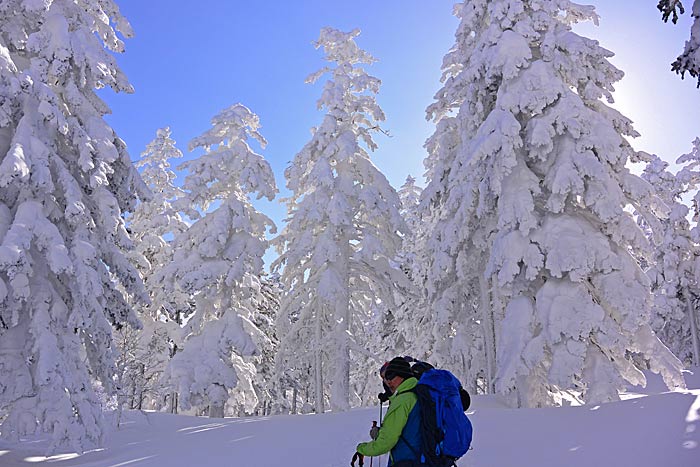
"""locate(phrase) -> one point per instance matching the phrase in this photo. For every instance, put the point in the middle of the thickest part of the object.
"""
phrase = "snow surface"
(648, 428)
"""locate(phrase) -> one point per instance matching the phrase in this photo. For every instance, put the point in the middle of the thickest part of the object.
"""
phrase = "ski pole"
(380, 424)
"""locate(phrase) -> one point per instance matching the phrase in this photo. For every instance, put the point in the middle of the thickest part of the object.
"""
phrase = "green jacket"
(401, 404)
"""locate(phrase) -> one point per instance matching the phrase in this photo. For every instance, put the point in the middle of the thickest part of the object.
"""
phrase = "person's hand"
(356, 456)
(383, 396)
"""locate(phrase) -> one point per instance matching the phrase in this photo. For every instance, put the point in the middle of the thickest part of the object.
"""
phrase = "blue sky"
(190, 59)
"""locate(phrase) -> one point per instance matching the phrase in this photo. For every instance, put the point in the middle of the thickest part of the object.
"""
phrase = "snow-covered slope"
(647, 429)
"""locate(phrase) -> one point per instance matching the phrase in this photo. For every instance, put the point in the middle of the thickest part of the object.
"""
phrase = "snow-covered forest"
(543, 259)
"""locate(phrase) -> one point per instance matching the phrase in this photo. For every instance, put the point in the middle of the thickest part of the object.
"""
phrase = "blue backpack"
(446, 432)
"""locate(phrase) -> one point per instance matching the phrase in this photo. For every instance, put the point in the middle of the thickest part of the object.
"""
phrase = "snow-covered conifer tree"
(674, 266)
(409, 194)
(143, 354)
(342, 230)
(530, 189)
(689, 60)
(400, 321)
(65, 179)
(452, 326)
(153, 225)
(690, 176)
(670, 265)
(218, 261)
(264, 307)
(389, 327)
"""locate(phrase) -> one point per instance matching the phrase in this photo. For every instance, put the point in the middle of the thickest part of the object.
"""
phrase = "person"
(400, 432)
(374, 431)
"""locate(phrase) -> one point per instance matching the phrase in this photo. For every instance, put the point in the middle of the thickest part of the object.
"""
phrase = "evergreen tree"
(342, 230)
(218, 261)
(143, 354)
(388, 327)
(670, 265)
(409, 195)
(65, 180)
(678, 260)
(530, 191)
(398, 324)
(153, 225)
(265, 307)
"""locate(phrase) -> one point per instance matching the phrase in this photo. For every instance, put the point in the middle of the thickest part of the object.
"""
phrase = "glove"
(355, 457)
(383, 396)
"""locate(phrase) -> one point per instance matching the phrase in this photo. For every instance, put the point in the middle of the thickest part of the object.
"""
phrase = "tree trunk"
(340, 395)
(217, 395)
(132, 396)
(142, 367)
(693, 327)
(497, 316)
(173, 402)
(489, 334)
(216, 410)
(318, 363)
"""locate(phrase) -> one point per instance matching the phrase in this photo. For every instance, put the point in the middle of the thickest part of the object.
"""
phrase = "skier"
(374, 431)
(400, 430)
